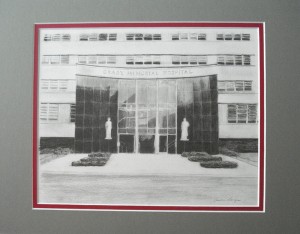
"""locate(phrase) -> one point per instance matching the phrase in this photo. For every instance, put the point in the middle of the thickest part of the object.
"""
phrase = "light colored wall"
(166, 46)
(235, 130)
(57, 130)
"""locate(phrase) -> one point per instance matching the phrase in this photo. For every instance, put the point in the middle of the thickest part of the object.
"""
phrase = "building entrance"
(147, 108)
(146, 115)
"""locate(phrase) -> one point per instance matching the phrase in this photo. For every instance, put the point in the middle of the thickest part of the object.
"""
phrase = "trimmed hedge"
(204, 158)
(85, 164)
(93, 159)
(200, 154)
(219, 164)
(99, 155)
(228, 152)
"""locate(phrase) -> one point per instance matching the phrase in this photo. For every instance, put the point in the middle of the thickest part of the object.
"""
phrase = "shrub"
(228, 152)
(204, 158)
(93, 159)
(193, 153)
(185, 154)
(200, 154)
(219, 164)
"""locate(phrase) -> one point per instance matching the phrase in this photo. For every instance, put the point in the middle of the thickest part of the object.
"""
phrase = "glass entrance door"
(147, 111)
(147, 116)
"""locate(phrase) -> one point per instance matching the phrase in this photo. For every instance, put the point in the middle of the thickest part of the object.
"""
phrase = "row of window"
(148, 37)
(57, 37)
(49, 112)
(234, 86)
(56, 59)
(149, 60)
(54, 85)
(223, 86)
(233, 36)
(242, 113)
(236, 113)
(234, 60)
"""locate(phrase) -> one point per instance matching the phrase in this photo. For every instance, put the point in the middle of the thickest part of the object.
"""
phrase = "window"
(229, 60)
(183, 36)
(112, 37)
(228, 37)
(148, 60)
(237, 37)
(102, 37)
(193, 36)
(63, 85)
(64, 59)
(138, 37)
(66, 37)
(242, 113)
(148, 37)
(184, 60)
(220, 37)
(55, 59)
(156, 60)
(72, 113)
(238, 60)
(201, 36)
(92, 59)
(111, 60)
(235, 86)
(130, 60)
(221, 60)
(175, 37)
(193, 60)
(246, 37)
(56, 37)
(47, 37)
(157, 37)
(139, 60)
(82, 59)
(247, 60)
(93, 37)
(83, 37)
(101, 59)
(202, 60)
(129, 37)
(46, 59)
(48, 112)
(176, 60)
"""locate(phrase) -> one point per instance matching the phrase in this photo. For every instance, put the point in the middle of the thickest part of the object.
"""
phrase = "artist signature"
(229, 199)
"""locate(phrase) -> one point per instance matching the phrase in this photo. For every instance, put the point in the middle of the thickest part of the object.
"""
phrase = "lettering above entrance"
(146, 73)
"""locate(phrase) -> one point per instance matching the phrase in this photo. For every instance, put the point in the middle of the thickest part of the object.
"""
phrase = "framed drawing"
(152, 116)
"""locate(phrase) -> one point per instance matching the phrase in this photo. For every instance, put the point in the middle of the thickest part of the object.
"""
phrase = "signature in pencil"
(229, 199)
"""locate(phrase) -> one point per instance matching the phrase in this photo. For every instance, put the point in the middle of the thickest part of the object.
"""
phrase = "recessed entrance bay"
(146, 114)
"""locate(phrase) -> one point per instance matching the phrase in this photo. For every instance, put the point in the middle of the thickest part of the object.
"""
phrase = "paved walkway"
(147, 164)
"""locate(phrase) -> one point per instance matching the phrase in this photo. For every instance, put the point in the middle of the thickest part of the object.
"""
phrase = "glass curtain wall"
(146, 115)
(96, 101)
(197, 101)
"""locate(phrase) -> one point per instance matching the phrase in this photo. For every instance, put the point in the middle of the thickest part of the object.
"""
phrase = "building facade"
(147, 81)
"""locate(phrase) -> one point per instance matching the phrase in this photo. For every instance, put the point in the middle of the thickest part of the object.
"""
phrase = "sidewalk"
(147, 164)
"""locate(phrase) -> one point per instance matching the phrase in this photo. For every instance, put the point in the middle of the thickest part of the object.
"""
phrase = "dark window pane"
(87, 134)
(88, 108)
